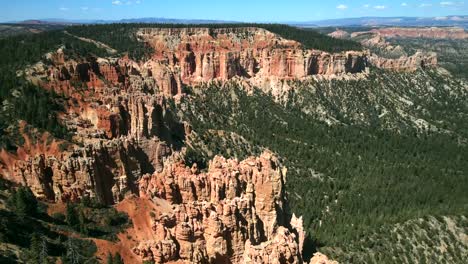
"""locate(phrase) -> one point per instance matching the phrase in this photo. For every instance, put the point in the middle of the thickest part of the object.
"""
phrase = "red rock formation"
(425, 32)
(339, 34)
(231, 213)
(408, 64)
(117, 110)
(202, 54)
(319, 258)
(106, 170)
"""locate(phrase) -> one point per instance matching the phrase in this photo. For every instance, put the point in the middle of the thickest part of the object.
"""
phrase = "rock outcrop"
(339, 34)
(407, 64)
(232, 213)
(120, 124)
(320, 258)
(104, 169)
(195, 55)
(396, 58)
(117, 108)
(423, 32)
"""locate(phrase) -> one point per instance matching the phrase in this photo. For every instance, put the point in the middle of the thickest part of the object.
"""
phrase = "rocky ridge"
(126, 141)
(375, 39)
(425, 32)
(233, 212)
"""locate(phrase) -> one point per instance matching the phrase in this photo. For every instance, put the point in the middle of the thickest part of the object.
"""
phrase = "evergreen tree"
(44, 253)
(82, 223)
(109, 260)
(118, 259)
(34, 252)
(24, 202)
(73, 255)
(71, 215)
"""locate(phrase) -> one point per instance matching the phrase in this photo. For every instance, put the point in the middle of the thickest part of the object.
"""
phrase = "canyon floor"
(234, 144)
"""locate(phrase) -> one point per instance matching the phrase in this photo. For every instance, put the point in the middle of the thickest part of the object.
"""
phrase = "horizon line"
(204, 19)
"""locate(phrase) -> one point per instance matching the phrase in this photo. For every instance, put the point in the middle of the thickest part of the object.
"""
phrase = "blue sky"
(238, 10)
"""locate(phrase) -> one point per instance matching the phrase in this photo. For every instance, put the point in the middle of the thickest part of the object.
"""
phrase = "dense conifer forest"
(22, 100)
(376, 166)
(25, 223)
(357, 180)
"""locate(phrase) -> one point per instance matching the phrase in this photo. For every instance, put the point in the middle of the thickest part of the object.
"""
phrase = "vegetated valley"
(375, 186)
(376, 159)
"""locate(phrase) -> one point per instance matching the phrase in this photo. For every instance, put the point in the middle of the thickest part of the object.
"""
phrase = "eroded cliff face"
(232, 213)
(126, 142)
(423, 32)
(376, 39)
(201, 54)
(406, 63)
(120, 125)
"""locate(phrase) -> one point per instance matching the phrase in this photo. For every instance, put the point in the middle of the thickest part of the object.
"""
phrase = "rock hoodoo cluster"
(202, 54)
(233, 213)
(126, 141)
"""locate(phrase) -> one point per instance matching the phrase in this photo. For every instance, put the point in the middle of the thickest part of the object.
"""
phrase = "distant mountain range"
(148, 20)
(460, 21)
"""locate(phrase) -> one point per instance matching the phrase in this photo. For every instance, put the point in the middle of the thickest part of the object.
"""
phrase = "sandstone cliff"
(232, 213)
(126, 141)
(195, 55)
(117, 108)
(375, 39)
(405, 63)
(429, 32)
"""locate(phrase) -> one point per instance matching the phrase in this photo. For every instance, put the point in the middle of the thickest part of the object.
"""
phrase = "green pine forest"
(358, 180)
(378, 167)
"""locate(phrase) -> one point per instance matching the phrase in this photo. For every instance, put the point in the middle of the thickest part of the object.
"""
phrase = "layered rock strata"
(126, 141)
(232, 213)
(406, 63)
(424, 32)
(112, 101)
(201, 54)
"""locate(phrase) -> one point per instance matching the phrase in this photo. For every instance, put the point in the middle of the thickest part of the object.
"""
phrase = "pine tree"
(118, 259)
(72, 255)
(34, 249)
(24, 202)
(71, 215)
(82, 223)
(44, 253)
(109, 260)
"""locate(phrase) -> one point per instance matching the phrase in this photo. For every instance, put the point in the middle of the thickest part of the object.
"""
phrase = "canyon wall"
(406, 63)
(232, 213)
(409, 32)
(117, 108)
(202, 54)
(126, 141)
(423, 32)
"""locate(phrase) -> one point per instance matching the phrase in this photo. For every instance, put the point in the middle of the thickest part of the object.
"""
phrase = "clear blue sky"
(239, 10)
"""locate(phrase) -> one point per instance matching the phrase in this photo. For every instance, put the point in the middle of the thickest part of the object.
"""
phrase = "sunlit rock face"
(232, 213)
(202, 54)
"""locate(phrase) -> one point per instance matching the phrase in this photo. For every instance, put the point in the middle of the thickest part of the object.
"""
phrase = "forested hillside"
(377, 163)
(377, 168)
(22, 100)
